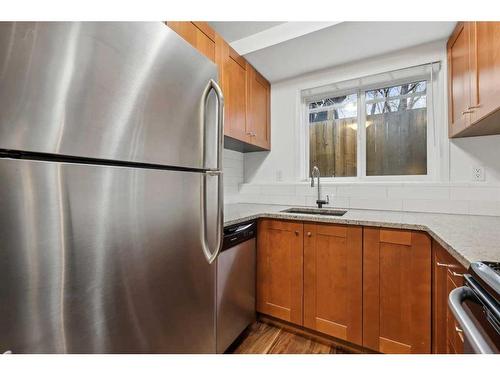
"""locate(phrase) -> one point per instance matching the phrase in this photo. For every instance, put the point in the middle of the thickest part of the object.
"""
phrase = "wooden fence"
(396, 144)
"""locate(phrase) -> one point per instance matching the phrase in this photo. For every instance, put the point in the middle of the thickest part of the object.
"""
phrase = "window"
(394, 120)
(396, 130)
(333, 128)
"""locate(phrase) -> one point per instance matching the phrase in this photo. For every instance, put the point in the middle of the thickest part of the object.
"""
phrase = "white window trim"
(432, 144)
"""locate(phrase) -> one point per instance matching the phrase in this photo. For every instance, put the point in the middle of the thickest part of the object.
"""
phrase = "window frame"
(360, 91)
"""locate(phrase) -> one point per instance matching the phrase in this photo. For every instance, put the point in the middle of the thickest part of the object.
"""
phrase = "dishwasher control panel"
(236, 234)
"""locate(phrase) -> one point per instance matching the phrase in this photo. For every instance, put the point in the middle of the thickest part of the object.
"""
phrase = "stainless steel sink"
(315, 211)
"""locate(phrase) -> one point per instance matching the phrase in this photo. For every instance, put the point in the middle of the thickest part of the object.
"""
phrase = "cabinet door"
(459, 79)
(333, 280)
(396, 291)
(440, 300)
(234, 85)
(258, 109)
(486, 43)
(198, 34)
(279, 269)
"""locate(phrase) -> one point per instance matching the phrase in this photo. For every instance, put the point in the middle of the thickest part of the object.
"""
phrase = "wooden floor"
(263, 338)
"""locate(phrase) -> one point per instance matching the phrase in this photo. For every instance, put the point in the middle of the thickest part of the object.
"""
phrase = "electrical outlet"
(478, 174)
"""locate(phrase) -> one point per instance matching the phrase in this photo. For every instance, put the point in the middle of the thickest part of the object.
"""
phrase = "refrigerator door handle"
(212, 85)
(212, 255)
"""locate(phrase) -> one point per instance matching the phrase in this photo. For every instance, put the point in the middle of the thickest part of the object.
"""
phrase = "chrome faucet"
(315, 173)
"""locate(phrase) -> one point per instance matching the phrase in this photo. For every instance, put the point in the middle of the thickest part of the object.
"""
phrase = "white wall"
(275, 176)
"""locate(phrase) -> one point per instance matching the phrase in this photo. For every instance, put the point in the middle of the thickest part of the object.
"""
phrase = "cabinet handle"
(296, 232)
(465, 112)
(460, 333)
(443, 264)
(457, 274)
(309, 234)
(474, 106)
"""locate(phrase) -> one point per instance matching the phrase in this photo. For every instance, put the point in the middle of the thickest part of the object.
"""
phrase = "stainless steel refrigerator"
(110, 189)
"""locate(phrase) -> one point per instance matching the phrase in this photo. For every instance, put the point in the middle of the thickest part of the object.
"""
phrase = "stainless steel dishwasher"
(235, 283)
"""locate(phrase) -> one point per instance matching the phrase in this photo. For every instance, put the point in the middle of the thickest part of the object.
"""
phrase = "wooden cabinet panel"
(333, 280)
(486, 82)
(396, 291)
(258, 109)
(439, 300)
(279, 269)
(234, 86)
(447, 274)
(198, 34)
(459, 79)
(474, 79)
(246, 92)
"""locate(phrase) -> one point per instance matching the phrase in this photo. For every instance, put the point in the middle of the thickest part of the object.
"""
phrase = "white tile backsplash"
(413, 192)
(232, 166)
(363, 191)
(451, 198)
(443, 206)
(454, 198)
(475, 193)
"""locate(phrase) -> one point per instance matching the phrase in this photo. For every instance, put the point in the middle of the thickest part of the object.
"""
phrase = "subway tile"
(230, 154)
(278, 189)
(335, 202)
(375, 204)
(475, 193)
(232, 163)
(376, 192)
(428, 205)
(418, 192)
(250, 189)
(490, 208)
(233, 172)
(305, 190)
(250, 198)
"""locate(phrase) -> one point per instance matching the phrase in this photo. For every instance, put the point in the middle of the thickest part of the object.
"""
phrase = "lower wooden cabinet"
(439, 301)
(333, 280)
(396, 291)
(447, 275)
(279, 269)
(383, 289)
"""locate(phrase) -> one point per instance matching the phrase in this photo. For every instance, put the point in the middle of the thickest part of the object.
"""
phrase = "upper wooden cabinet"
(198, 34)
(246, 92)
(396, 291)
(474, 79)
(234, 86)
(459, 70)
(258, 109)
(279, 269)
(333, 280)
(248, 104)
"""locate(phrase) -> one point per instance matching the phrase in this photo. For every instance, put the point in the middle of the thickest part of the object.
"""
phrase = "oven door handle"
(474, 337)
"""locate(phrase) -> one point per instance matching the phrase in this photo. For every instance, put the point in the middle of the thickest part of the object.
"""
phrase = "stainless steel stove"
(476, 307)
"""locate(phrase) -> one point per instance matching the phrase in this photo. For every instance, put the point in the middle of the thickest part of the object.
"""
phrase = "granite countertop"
(468, 238)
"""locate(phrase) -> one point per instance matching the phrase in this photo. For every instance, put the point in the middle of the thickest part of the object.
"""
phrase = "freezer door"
(99, 259)
(130, 91)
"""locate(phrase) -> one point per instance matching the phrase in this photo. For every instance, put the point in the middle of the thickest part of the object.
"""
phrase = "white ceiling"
(325, 46)
(234, 30)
